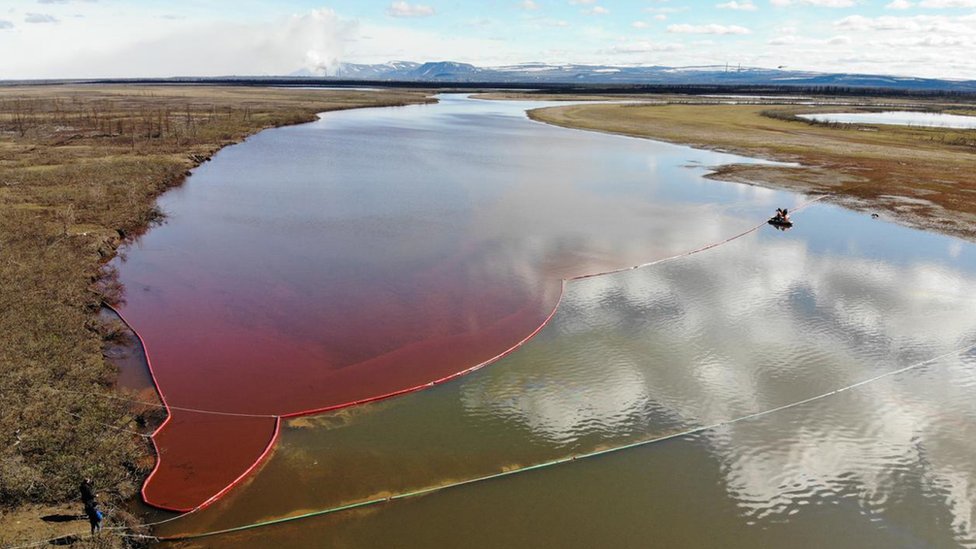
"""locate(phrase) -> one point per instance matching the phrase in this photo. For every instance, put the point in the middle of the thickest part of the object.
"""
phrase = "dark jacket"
(87, 492)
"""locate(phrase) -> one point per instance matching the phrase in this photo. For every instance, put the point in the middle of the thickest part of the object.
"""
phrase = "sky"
(158, 38)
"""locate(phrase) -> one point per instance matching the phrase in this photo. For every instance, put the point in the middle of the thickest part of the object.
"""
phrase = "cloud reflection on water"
(766, 320)
(756, 325)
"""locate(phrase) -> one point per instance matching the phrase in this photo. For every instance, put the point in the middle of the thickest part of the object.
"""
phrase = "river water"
(898, 118)
(377, 249)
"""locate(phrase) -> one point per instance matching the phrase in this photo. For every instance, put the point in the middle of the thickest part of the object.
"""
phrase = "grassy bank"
(80, 169)
(919, 176)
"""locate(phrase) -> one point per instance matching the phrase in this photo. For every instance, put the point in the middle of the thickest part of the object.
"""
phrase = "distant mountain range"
(442, 72)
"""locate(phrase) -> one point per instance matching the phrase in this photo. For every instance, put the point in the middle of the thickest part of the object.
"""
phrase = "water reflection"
(764, 321)
(899, 118)
(378, 250)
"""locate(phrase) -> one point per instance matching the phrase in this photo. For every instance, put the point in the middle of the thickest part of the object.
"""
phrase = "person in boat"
(782, 215)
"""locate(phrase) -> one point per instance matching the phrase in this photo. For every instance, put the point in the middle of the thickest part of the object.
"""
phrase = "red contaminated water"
(331, 357)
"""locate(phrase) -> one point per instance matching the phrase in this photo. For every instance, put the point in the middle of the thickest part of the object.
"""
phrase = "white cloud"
(529, 5)
(708, 29)
(817, 3)
(404, 9)
(110, 42)
(948, 3)
(315, 41)
(597, 10)
(4, 24)
(665, 9)
(381, 43)
(861, 23)
(582, 2)
(40, 18)
(740, 6)
(939, 42)
(899, 5)
(782, 40)
(932, 24)
(547, 22)
(642, 46)
(639, 25)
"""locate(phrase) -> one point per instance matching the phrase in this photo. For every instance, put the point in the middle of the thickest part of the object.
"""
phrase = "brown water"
(769, 319)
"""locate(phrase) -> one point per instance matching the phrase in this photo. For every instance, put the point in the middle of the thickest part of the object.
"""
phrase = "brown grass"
(80, 168)
(920, 176)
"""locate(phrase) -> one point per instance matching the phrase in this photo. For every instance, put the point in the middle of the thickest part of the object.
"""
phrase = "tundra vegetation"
(80, 169)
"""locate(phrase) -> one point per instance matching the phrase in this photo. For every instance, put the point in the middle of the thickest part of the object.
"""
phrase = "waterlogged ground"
(766, 320)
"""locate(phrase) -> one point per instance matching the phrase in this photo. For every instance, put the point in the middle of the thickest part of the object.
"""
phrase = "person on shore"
(87, 491)
(94, 517)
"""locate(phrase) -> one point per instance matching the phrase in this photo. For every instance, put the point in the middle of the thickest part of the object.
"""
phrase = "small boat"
(780, 222)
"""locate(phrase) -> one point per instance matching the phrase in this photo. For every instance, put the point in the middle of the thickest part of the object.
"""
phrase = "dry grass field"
(80, 169)
(922, 177)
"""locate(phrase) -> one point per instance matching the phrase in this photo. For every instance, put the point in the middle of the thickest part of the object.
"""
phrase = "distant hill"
(542, 73)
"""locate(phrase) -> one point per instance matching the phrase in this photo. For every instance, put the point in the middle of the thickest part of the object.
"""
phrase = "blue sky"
(87, 38)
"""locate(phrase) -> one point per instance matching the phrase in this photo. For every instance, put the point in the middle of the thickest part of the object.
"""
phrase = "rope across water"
(512, 472)
(570, 459)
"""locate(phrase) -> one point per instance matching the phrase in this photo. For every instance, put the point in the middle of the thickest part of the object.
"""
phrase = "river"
(375, 250)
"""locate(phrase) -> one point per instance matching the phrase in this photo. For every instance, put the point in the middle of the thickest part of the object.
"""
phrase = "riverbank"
(80, 169)
(921, 177)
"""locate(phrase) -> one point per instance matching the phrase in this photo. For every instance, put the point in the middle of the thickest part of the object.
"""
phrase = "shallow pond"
(382, 247)
(897, 118)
